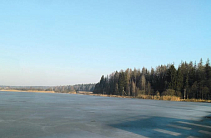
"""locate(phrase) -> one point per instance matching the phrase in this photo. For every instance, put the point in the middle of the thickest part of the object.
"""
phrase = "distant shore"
(29, 91)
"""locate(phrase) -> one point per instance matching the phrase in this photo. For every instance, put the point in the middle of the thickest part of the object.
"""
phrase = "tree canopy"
(188, 80)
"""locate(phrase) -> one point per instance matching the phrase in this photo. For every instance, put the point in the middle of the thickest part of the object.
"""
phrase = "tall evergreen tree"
(179, 81)
(171, 77)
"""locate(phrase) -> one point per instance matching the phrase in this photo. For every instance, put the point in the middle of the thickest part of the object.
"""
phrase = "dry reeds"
(196, 100)
(157, 97)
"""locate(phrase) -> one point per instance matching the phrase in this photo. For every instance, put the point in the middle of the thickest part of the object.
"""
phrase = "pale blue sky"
(47, 42)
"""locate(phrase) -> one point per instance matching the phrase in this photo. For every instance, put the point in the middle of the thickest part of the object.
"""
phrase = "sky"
(66, 42)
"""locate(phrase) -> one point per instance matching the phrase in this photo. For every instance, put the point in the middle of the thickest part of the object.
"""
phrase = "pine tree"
(171, 77)
(133, 89)
(122, 83)
(143, 83)
(208, 78)
(127, 75)
(201, 78)
(102, 84)
(179, 81)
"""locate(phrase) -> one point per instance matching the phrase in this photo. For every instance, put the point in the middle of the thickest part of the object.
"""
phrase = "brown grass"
(74, 92)
(85, 92)
(170, 98)
(196, 100)
(166, 98)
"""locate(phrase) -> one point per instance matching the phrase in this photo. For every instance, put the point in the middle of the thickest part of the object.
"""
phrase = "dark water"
(47, 115)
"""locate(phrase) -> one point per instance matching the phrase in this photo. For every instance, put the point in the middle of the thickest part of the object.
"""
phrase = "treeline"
(84, 87)
(61, 89)
(72, 88)
(189, 80)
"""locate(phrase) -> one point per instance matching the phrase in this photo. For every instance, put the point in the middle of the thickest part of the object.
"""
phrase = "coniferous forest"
(187, 81)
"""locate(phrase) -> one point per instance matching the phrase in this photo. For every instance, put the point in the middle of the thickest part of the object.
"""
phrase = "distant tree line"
(72, 88)
(189, 80)
(62, 89)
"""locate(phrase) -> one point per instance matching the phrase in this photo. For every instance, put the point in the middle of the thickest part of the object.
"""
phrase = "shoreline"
(28, 91)
(161, 98)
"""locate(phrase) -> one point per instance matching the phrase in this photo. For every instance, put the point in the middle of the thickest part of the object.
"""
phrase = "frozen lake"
(49, 115)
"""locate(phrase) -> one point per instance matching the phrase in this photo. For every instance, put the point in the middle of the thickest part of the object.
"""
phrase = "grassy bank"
(166, 98)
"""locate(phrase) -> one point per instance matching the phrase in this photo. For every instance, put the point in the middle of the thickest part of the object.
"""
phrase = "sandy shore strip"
(28, 91)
